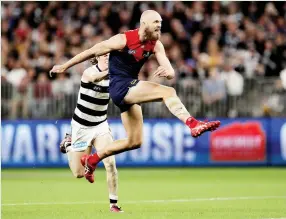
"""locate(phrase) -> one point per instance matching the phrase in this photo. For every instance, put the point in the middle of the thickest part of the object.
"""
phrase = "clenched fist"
(57, 69)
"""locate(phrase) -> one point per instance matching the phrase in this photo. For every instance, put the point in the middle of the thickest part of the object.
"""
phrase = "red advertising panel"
(238, 142)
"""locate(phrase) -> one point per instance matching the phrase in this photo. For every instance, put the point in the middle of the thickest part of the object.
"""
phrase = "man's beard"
(151, 35)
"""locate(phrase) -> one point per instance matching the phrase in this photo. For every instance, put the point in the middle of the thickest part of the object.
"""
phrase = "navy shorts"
(118, 88)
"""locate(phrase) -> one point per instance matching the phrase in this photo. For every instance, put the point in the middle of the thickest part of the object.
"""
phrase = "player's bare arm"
(116, 42)
(165, 69)
(92, 76)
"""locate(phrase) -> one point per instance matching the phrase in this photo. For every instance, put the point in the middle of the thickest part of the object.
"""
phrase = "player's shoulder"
(131, 33)
(158, 45)
(88, 73)
(90, 69)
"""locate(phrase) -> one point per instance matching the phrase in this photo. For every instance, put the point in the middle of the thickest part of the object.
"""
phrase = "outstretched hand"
(57, 69)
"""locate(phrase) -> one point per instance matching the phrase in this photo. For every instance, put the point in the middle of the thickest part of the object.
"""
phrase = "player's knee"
(135, 143)
(170, 91)
(78, 174)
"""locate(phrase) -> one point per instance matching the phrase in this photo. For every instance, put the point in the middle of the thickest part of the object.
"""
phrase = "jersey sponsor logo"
(131, 51)
(146, 54)
(80, 144)
(133, 83)
(97, 88)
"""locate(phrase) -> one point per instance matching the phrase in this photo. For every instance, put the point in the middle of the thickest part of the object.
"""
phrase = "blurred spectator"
(233, 36)
(214, 94)
(268, 60)
(62, 86)
(6, 94)
(62, 90)
(42, 96)
(233, 80)
(234, 84)
(250, 61)
(283, 89)
(20, 79)
(283, 78)
(213, 58)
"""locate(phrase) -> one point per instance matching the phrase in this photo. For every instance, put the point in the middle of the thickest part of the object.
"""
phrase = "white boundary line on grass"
(152, 201)
(275, 218)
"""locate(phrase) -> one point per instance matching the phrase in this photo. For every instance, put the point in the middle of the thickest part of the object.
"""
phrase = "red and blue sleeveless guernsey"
(129, 61)
(124, 67)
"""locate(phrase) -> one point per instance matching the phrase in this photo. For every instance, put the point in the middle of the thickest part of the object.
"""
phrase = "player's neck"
(142, 34)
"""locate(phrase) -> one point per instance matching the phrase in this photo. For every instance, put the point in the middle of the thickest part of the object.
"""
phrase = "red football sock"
(94, 159)
(191, 122)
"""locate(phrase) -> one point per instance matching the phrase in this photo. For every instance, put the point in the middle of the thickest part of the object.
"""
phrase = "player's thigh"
(133, 123)
(146, 91)
(74, 161)
(102, 141)
(81, 144)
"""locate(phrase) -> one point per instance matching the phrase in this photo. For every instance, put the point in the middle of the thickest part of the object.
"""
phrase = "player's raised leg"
(101, 142)
(133, 120)
(146, 91)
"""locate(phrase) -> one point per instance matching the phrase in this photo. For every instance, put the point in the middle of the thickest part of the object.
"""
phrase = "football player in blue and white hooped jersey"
(89, 126)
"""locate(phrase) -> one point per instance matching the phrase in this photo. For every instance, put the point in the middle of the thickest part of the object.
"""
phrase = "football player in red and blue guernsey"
(128, 53)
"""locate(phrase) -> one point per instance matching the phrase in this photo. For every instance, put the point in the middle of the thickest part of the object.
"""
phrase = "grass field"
(147, 193)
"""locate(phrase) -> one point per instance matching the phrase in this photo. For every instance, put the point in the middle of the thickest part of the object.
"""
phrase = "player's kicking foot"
(65, 143)
(202, 127)
(88, 168)
(116, 208)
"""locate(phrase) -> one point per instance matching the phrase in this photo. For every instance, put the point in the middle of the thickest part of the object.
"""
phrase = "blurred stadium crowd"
(229, 57)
